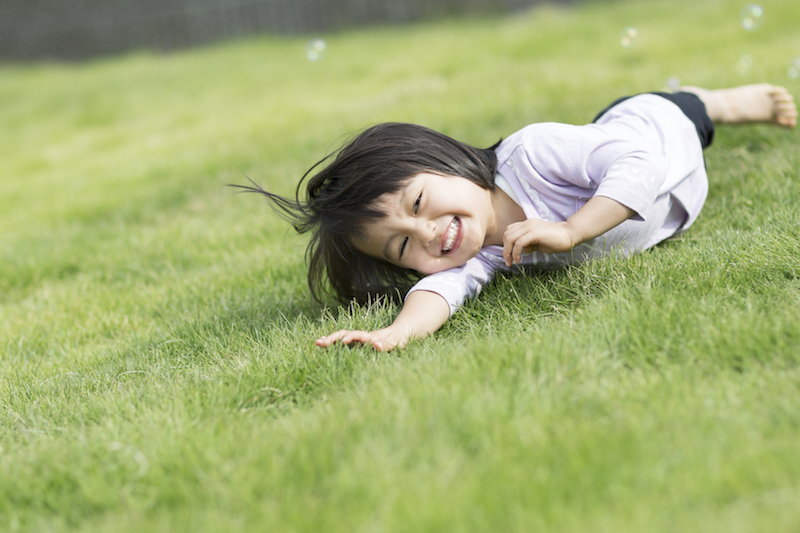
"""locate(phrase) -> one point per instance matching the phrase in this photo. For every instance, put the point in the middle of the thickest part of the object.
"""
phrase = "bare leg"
(747, 104)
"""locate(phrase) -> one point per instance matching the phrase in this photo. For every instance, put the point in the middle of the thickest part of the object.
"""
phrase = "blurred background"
(79, 29)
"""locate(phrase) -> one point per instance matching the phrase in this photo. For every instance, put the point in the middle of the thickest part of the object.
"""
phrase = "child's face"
(432, 224)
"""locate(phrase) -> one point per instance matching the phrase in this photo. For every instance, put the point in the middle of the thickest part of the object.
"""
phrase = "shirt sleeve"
(458, 284)
(611, 160)
(632, 182)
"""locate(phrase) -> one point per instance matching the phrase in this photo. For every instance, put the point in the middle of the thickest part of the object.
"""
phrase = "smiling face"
(432, 223)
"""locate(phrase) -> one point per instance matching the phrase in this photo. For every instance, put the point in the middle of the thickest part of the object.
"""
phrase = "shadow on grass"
(254, 349)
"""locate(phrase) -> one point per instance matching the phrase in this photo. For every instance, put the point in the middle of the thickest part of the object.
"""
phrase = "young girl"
(402, 202)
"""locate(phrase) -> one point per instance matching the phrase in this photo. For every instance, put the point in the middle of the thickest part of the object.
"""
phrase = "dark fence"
(77, 29)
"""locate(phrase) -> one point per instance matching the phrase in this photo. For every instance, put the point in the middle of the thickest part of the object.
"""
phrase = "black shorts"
(691, 106)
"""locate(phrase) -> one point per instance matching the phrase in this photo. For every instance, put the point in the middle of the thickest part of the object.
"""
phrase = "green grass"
(157, 366)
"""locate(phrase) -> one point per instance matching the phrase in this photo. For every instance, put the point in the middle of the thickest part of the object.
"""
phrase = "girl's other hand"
(423, 313)
(596, 217)
(536, 235)
(383, 340)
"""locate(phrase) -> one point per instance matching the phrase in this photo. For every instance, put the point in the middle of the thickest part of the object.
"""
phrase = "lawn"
(157, 362)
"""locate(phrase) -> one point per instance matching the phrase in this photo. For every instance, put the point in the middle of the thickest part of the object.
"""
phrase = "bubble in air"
(744, 64)
(629, 37)
(316, 50)
(752, 17)
(794, 68)
(674, 84)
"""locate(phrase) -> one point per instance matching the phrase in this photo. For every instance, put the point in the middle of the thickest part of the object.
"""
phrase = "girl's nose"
(428, 232)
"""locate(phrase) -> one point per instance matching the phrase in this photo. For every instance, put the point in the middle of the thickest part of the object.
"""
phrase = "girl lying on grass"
(402, 202)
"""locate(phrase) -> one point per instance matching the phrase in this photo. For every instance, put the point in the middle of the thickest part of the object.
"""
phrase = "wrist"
(402, 330)
(573, 234)
(391, 337)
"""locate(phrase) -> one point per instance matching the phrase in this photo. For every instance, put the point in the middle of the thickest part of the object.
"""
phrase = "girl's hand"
(596, 217)
(383, 340)
(536, 235)
(423, 313)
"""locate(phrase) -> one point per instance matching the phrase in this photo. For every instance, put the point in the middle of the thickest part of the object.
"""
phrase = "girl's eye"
(403, 246)
(416, 203)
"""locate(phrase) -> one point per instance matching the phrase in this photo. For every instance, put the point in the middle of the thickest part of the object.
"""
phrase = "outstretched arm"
(596, 217)
(423, 313)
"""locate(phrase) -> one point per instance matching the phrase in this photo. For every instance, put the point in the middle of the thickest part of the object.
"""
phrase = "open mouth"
(451, 236)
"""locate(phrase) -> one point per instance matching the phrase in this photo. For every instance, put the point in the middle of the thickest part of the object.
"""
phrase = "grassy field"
(157, 365)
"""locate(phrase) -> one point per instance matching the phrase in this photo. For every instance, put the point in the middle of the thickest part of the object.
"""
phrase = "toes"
(782, 98)
(784, 108)
(787, 119)
(788, 109)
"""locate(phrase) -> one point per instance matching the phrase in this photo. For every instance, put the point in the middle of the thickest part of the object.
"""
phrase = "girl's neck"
(506, 212)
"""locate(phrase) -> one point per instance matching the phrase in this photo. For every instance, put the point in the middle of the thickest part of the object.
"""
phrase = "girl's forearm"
(596, 217)
(422, 314)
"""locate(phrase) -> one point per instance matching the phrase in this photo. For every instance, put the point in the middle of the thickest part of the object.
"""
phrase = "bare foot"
(747, 104)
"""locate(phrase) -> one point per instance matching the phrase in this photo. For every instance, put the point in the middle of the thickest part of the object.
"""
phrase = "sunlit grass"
(157, 367)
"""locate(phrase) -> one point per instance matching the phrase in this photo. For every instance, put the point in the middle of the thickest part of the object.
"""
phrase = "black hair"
(343, 196)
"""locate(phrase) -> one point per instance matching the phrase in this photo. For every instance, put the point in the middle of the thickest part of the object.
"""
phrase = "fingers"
(517, 239)
(514, 255)
(345, 336)
(350, 336)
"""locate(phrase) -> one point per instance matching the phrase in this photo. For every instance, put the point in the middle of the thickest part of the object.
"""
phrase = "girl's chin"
(460, 258)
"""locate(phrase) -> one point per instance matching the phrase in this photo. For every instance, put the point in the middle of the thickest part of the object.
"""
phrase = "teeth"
(452, 233)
